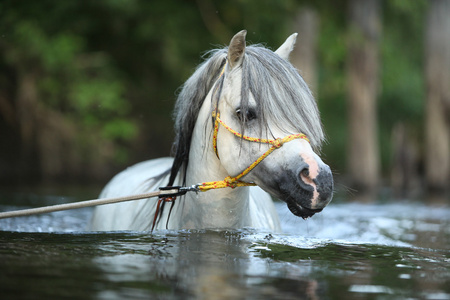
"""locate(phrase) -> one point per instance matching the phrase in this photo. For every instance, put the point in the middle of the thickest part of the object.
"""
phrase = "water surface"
(397, 250)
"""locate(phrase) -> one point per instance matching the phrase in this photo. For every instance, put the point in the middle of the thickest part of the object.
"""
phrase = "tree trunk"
(26, 106)
(303, 56)
(362, 60)
(405, 179)
(437, 72)
(47, 140)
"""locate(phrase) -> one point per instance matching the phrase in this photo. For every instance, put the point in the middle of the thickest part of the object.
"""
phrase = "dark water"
(350, 251)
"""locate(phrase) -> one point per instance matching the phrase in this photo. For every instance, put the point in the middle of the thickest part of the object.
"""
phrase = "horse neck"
(220, 208)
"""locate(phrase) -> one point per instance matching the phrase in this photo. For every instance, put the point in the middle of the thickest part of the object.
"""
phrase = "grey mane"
(281, 94)
(188, 104)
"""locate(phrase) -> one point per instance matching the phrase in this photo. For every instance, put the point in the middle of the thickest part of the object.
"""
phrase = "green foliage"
(75, 79)
(401, 97)
(402, 94)
(332, 49)
(402, 62)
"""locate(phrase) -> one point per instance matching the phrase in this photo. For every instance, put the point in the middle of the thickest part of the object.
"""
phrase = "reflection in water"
(349, 251)
(203, 264)
(211, 265)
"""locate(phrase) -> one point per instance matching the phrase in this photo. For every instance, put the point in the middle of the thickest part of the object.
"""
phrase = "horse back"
(135, 215)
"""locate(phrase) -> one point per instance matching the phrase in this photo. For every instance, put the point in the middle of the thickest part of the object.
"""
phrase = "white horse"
(257, 93)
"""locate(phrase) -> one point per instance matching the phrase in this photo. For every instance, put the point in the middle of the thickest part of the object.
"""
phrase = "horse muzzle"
(306, 190)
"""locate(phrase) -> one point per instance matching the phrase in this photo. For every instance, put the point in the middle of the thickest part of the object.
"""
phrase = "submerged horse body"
(259, 94)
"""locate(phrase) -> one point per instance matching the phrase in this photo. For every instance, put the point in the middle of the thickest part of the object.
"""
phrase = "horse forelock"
(281, 95)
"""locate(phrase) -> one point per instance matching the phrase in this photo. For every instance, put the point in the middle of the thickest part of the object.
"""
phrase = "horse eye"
(245, 115)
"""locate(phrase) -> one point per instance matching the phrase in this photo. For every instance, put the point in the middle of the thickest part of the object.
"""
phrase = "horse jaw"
(219, 208)
(287, 47)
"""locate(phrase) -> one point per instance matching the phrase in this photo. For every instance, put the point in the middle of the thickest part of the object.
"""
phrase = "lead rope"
(89, 203)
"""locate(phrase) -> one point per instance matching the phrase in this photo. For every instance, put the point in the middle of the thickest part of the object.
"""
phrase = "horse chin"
(301, 211)
(293, 200)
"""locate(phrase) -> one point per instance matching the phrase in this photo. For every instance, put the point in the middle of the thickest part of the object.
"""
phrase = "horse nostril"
(304, 175)
(305, 172)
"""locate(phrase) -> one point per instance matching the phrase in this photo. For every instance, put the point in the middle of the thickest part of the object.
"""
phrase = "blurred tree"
(401, 103)
(66, 106)
(331, 85)
(437, 72)
(304, 56)
(362, 85)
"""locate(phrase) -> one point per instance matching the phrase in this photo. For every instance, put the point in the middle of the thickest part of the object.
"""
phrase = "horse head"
(263, 101)
(245, 116)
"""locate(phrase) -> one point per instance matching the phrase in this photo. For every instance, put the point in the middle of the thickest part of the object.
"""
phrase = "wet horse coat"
(258, 93)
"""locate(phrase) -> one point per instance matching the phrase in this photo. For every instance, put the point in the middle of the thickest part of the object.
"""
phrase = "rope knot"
(278, 143)
(230, 182)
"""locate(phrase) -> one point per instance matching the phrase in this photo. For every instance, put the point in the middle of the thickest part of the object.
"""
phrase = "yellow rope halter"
(235, 181)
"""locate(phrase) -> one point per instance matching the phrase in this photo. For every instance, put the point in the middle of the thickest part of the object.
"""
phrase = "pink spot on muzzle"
(308, 175)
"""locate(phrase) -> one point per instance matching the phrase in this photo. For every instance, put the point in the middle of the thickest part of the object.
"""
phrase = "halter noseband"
(235, 181)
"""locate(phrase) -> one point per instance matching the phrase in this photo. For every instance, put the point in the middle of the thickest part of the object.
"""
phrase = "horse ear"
(287, 47)
(236, 50)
